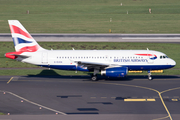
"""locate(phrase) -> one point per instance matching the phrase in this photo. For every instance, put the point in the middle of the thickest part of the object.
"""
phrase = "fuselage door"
(44, 57)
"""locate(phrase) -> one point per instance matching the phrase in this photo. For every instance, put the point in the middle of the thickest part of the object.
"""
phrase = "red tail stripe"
(19, 31)
(29, 48)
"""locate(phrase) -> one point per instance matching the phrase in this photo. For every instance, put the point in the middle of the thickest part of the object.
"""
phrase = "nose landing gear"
(149, 75)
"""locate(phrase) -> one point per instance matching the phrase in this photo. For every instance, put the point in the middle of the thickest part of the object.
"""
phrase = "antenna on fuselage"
(147, 49)
(73, 48)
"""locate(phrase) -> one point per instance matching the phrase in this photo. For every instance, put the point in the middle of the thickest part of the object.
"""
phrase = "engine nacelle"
(115, 72)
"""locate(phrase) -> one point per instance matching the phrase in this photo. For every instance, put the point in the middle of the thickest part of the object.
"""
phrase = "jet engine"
(115, 72)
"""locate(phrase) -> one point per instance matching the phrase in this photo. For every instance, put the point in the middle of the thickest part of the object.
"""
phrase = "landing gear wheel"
(94, 75)
(94, 78)
(150, 78)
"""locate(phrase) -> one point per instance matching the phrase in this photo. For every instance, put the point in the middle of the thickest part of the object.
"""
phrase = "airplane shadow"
(53, 74)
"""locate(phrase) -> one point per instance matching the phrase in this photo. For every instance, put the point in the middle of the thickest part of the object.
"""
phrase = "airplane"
(111, 63)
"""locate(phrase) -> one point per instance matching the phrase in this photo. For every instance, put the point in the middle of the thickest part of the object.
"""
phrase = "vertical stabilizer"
(23, 41)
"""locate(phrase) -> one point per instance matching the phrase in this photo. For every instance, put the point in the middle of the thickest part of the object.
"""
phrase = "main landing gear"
(149, 75)
(94, 75)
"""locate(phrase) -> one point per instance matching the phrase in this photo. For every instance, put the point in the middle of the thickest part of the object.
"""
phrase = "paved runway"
(165, 38)
(61, 97)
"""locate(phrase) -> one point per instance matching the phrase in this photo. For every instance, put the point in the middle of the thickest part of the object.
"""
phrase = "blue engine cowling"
(115, 72)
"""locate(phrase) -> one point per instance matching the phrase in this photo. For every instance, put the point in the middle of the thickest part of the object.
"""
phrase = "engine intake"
(115, 72)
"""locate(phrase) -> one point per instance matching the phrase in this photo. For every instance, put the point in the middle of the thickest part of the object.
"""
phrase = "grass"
(168, 48)
(2, 113)
(92, 16)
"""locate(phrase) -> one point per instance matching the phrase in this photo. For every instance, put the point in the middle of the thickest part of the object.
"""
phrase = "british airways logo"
(130, 60)
(151, 56)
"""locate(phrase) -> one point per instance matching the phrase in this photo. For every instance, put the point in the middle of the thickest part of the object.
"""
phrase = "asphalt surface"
(76, 97)
(166, 38)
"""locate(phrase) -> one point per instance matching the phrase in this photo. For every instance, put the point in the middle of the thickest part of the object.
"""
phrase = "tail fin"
(23, 41)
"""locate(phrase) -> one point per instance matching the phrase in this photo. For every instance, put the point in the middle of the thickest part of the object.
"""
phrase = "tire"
(149, 78)
(94, 78)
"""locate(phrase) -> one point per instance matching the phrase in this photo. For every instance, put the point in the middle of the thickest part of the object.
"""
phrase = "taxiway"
(133, 97)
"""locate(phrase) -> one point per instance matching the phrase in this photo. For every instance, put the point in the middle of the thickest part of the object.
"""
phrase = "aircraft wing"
(96, 65)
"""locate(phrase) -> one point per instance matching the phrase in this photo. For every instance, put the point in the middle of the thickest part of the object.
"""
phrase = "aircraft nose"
(173, 63)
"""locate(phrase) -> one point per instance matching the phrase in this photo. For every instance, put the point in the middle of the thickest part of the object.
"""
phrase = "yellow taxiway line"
(138, 100)
(9, 80)
(159, 93)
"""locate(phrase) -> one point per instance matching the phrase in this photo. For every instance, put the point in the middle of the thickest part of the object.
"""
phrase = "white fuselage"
(133, 59)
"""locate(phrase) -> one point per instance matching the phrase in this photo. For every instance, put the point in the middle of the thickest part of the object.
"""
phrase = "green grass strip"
(92, 16)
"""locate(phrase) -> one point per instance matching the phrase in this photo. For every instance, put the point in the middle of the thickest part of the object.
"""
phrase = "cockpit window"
(163, 57)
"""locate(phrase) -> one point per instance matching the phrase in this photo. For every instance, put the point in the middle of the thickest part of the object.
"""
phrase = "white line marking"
(155, 38)
(34, 103)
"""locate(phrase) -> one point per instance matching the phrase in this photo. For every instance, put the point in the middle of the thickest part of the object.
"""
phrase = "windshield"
(163, 56)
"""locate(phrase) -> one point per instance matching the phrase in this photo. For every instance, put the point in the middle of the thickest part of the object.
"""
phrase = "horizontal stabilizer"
(14, 55)
(22, 56)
